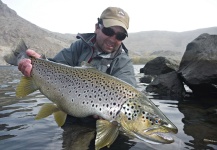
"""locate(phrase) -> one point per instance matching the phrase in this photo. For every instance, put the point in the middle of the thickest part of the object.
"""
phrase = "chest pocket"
(101, 64)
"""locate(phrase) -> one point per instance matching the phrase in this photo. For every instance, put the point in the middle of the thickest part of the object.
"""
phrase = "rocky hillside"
(163, 43)
(147, 44)
(13, 27)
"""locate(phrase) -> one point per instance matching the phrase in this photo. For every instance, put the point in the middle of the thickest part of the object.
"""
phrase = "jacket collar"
(88, 38)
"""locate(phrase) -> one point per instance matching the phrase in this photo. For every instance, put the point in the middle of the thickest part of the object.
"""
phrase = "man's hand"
(25, 65)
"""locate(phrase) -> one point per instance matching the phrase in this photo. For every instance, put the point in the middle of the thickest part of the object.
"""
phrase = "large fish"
(84, 91)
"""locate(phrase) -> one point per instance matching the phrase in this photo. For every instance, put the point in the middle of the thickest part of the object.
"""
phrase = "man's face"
(108, 44)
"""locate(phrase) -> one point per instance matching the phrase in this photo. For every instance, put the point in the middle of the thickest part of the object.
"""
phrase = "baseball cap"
(114, 16)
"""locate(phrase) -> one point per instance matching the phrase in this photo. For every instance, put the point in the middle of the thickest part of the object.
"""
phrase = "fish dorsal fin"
(85, 64)
(60, 117)
(43, 56)
(25, 87)
(46, 110)
(107, 132)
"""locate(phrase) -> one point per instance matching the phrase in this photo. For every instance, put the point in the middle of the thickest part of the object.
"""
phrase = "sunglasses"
(120, 36)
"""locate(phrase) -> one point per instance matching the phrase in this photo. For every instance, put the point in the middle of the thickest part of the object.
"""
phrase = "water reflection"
(200, 122)
(81, 136)
(195, 119)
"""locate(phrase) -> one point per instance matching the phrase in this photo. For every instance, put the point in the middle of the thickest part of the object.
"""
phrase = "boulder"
(167, 85)
(146, 79)
(198, 67)
(160, 65)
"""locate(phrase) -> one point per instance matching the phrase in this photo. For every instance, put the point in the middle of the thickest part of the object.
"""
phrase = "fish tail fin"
(17, 54)
(107, 132)
(49, 109)
(25, 87)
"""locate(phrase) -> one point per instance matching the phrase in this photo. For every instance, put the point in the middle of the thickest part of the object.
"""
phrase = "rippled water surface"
(196, 121)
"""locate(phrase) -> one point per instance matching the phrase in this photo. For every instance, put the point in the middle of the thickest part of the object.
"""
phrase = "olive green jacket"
(117, 64)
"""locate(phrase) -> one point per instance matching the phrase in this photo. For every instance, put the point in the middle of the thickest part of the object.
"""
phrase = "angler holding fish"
(103, 87)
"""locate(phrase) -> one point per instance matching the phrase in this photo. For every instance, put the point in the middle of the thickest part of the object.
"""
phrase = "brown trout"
(84, 91)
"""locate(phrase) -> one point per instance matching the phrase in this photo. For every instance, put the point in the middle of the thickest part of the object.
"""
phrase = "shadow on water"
(196, 120)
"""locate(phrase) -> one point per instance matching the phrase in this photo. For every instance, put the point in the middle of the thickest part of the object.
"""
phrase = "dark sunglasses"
(120, 36)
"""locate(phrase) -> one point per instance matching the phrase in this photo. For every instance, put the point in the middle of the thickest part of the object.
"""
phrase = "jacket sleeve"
(68, 56)
(123, 69)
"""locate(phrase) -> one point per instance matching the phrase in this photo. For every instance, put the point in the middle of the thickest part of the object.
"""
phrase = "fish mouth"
(157, 135)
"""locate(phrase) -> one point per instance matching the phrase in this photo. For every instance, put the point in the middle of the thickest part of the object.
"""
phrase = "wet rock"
(198, 67)
(160, 65)
(167, 85)
(146, 79)
(141, 70)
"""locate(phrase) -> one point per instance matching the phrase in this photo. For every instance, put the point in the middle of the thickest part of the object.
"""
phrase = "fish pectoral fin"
(46, 110)
(60, 117)
(25, 87)
(107, 132)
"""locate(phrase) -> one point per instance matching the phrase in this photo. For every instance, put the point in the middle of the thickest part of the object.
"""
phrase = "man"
(103, 49)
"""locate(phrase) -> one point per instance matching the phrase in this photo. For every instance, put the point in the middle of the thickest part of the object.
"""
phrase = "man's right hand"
(25, 65)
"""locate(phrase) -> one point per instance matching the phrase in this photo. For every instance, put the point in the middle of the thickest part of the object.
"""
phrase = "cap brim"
(111, 22)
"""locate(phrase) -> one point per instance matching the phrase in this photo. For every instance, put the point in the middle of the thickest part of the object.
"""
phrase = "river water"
(196, 121)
